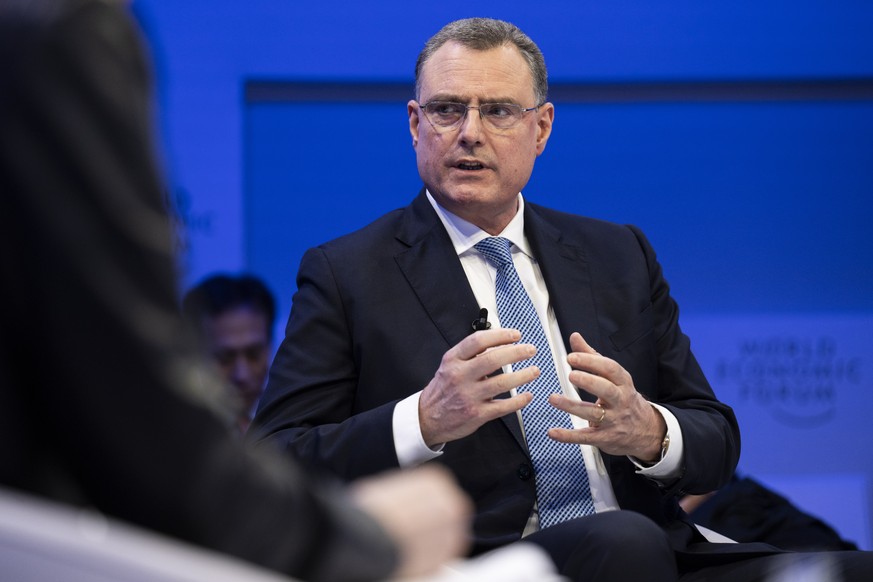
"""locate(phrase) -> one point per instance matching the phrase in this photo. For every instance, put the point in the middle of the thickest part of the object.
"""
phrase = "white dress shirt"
(408, 440)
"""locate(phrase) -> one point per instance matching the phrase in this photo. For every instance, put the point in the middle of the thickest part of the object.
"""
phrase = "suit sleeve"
(310, 403)
(710, 431)
(102, 400)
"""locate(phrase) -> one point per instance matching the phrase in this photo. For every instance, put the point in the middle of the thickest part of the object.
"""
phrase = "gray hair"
(483, 34)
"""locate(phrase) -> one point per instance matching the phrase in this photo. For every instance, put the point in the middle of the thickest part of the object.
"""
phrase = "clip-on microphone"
(481, 323)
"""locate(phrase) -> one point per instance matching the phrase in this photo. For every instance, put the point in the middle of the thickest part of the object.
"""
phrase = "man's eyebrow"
(452, 98)
(449, 98)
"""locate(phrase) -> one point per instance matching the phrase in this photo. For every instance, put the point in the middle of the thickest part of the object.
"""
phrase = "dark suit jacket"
(376, 310)
(99, 403)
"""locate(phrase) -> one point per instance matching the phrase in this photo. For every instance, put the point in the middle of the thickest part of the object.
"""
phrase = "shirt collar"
(464, 235)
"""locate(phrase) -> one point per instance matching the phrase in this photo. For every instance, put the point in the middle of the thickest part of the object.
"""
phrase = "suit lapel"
(435, 274)
(566, 271)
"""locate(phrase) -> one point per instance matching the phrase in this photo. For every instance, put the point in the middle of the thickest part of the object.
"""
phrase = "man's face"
(472, 170)
(239, 341)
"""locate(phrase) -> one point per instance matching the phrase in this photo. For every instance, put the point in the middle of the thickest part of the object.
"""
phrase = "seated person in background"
(101, 399)
(747, 511)
(233, 320)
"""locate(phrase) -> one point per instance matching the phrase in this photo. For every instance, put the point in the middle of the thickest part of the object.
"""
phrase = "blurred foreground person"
(101, 402)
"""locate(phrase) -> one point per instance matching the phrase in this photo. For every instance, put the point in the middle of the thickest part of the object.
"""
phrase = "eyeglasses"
(496, 115)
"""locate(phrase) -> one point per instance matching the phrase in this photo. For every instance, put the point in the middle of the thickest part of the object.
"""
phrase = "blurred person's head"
(233, 318)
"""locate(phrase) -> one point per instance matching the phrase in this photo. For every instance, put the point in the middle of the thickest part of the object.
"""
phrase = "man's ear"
(545, 118)
(414, 119)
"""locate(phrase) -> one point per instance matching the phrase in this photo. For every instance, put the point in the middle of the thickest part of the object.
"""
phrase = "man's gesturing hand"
(622, 421)
(460, 397)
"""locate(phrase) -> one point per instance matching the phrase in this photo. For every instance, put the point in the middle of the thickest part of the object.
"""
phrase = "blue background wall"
(739, 136)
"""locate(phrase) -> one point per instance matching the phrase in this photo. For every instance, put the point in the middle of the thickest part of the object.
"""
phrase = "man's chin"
(465, 193)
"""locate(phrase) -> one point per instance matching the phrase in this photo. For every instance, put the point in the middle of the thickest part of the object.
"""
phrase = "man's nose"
(471, 130)
(240, 370)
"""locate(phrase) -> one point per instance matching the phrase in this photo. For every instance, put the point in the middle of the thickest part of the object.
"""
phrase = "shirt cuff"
(408, 441)
(670, 467)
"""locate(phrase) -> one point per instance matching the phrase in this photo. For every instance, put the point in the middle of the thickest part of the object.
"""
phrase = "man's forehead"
(462, 72)
(239, 320)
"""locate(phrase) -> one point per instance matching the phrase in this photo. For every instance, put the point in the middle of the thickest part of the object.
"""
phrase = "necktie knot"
(496, 250)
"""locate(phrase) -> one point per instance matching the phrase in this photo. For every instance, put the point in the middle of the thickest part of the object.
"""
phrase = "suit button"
(524, 472)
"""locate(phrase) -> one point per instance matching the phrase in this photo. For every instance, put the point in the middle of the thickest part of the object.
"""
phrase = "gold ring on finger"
(602, 415)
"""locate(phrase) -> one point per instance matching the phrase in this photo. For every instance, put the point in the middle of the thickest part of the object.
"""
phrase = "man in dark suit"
(100, 400)
(381, 366)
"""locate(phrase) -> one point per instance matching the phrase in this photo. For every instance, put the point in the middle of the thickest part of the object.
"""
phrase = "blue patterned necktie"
(561, 479)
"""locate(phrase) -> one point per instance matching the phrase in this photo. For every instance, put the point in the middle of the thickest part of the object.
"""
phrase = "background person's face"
(239, 341)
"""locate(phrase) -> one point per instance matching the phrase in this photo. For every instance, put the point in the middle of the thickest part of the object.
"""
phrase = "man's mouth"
(469, 165)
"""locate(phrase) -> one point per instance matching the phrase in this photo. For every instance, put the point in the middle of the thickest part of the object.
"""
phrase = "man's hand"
(424, 512)
(460, 397)
(622, 422)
